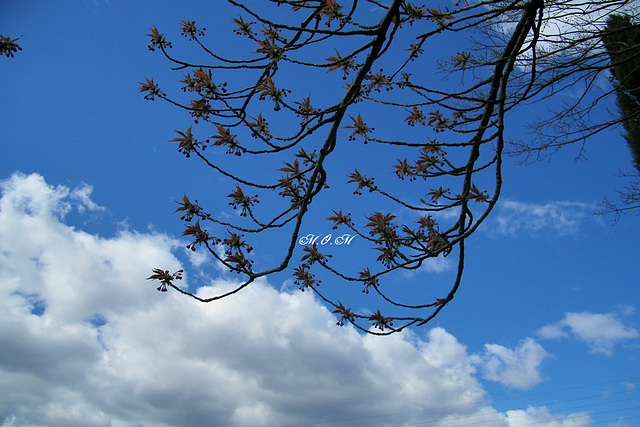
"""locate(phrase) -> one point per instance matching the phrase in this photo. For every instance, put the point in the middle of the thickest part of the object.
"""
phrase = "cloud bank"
(86, 341)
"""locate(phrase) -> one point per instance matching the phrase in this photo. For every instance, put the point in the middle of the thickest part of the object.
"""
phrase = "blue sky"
(544, 331)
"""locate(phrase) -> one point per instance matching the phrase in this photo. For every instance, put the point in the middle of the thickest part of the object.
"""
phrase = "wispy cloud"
(432, 265)
(438, 265)
(558, 217)
(601, 332)
(82, 194)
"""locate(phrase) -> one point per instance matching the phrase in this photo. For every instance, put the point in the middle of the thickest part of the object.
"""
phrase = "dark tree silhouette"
(324, 84)
(622, 41)
(621, 38)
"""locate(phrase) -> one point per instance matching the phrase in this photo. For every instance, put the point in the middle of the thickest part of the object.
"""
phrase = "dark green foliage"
(622, 41)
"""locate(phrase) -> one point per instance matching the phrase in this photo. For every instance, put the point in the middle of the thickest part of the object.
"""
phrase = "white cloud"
(517, 368)
(558, 217)
(437, 265)
(571, 20)
(532, 416)
(553, 331)
(197, 258)
(540, 416)
(601, 332)
(91, 343)
(82, 194)
(568, 26)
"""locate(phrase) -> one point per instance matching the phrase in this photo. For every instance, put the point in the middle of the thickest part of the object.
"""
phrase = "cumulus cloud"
(560, 218)
(601, 332)
(87, 341)
(517, 368)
